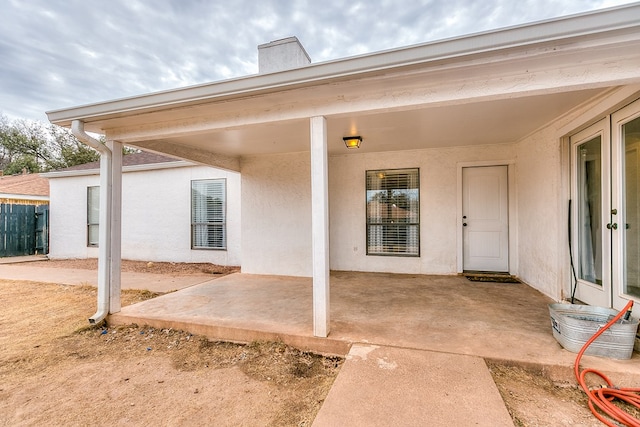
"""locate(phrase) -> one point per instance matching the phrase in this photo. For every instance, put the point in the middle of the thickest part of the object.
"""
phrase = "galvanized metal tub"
(574, 324)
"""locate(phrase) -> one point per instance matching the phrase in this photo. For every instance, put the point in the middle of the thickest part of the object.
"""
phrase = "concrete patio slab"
(384, 386)
(506, 322)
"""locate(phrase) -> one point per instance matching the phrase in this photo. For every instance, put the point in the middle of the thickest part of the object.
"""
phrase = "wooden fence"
(24, 229)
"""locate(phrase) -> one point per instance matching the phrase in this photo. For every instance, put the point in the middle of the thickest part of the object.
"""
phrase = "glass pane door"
(589, 205)
(625, 218)
(631, 229)
(590, 213)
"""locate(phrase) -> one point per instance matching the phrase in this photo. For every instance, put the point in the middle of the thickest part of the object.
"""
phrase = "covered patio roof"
(488, 88)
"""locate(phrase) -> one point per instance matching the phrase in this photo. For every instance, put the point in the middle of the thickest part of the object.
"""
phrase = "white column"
(116, 225)
(320, 225)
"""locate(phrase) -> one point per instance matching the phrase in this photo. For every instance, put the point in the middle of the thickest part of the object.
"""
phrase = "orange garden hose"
(601, 400)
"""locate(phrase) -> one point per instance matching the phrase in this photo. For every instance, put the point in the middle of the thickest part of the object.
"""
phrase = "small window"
(208, 214)
(393, 212)
(93, 214)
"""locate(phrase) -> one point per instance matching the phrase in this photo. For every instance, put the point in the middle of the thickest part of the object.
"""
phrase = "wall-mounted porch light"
(352, 141)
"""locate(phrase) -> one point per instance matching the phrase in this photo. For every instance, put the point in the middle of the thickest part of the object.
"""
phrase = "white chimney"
(280, 55)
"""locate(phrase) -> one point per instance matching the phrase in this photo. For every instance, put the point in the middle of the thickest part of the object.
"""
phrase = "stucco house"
(166, 203)
(477, 144)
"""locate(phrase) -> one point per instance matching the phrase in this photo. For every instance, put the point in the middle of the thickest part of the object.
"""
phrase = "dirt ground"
(534, 400)
(56, 370)
(172, 268)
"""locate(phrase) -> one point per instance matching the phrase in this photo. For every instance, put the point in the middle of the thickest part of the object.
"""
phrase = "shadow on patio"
(502, 321)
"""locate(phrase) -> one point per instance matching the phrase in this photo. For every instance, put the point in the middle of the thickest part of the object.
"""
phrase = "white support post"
(116, 225)
(320, 225)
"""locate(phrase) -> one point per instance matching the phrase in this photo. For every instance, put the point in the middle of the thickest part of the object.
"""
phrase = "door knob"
(464, 224)
(613, 226)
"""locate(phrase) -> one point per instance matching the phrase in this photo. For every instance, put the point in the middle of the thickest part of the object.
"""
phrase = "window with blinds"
(208, 214)
(93, 214)
(393, 212)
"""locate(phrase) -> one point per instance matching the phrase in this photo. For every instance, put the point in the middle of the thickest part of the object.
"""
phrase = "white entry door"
(485, 219)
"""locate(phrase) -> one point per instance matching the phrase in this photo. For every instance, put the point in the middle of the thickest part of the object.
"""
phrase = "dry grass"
(172, 268)
(56, 370)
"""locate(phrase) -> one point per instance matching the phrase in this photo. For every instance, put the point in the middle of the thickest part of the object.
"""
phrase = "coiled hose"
(601, 400)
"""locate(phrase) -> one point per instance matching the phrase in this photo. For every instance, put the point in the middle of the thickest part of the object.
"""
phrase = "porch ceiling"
(479, 123)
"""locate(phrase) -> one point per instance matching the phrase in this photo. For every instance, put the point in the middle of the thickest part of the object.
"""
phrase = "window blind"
(93, 215)
(393, 212)
(208, 214)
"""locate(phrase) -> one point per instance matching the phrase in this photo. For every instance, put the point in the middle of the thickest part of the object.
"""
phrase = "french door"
(591, 187)
(625, 222)
(605, 214)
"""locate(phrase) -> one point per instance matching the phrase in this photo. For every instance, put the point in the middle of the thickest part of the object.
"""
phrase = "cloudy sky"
(63, 53)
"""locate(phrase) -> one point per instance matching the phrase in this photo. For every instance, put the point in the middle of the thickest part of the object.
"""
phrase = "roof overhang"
(502, 84)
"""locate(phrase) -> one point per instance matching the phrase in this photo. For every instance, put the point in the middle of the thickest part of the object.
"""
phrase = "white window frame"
(396, 231)
(93, 215)
(208, 221)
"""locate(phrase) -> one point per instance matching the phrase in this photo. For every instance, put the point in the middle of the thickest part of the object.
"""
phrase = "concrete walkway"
(21, 268)
(385, 386)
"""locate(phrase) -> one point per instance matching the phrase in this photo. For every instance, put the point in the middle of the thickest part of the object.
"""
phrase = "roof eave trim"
(18, 196)
(125, 169)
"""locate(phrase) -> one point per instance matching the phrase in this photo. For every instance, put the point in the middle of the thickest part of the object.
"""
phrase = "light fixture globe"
(352, 141)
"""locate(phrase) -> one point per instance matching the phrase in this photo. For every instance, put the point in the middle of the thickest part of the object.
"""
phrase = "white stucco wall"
(68, 217)
(156, 216)
(276, 214)
(438, 203)
(541, 230)
(276, 236)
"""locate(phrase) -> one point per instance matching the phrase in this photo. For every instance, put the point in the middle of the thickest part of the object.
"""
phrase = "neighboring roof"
(133, 159)
(24, 185)
(133, 162)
